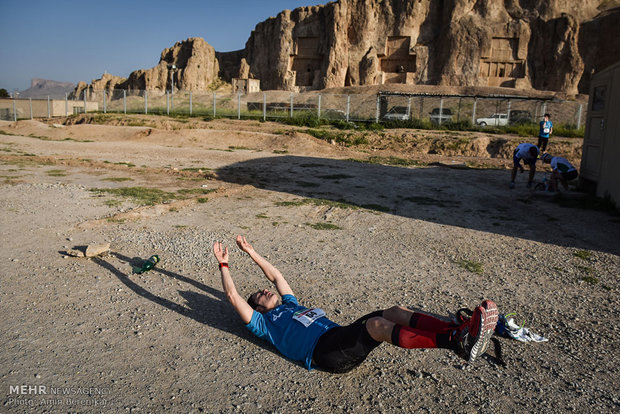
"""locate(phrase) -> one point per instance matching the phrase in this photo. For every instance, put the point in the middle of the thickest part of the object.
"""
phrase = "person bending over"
(561, 170)
(528, 153)
(307, 336)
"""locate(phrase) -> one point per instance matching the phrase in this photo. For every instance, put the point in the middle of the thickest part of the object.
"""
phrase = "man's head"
(263, 301)
(546, 158)
(547, 117)
(533, 151)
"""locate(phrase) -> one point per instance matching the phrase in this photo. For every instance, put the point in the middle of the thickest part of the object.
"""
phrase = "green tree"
(4, 93)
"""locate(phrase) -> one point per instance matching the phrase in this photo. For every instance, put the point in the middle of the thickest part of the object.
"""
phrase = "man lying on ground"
(306, 335)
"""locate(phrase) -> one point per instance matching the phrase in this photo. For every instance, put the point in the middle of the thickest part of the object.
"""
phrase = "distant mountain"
(42, 88)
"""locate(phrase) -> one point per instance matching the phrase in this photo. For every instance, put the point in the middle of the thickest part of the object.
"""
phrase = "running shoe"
(475, 334)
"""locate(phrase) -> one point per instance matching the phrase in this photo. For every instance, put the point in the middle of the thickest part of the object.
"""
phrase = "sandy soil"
(350, 237)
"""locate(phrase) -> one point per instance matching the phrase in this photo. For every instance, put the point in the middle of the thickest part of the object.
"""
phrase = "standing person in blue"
(546, 129)
(307, 336)
(561, 170)
(528, 153)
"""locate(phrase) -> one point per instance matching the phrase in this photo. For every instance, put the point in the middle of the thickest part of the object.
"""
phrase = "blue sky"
(71, 41)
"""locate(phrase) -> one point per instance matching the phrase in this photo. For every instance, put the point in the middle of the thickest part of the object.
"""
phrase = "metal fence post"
(291, 105)
(440, 110)
(348, 106)
(105, 106)
(125, 101)
(409, 108)
(66, 104)
(14, 110)
(264, 106)
(318, 112)
(544, 109)
(85, 109)
(508, 111)
(579, 114)
(167, 103)
(239, 106)
(49, 109)
(473, 115)
(146, 102)
(497, 112)
(377, 112)
(190, 104)
(214, 104)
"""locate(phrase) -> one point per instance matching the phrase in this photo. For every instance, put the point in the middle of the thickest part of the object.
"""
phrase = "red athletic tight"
(424, 331)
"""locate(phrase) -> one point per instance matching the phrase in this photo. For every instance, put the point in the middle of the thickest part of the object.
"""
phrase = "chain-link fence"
(388, 106)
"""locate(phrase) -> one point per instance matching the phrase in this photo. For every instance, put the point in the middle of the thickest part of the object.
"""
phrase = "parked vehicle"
(520, 117)
(440, 117)
(494, 120)
(396, 113)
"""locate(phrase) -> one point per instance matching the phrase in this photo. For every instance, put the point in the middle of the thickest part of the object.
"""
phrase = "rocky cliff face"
(195, 68)
(513, 43)
(541, 44)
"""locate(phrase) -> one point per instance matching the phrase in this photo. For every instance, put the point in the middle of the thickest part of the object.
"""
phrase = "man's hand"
(243, 244)
(220, 254)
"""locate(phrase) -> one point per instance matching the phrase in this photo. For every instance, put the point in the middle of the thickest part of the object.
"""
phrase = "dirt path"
(351, 237)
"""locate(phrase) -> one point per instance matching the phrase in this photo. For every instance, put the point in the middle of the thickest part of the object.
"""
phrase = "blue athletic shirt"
(289, 336)
(562, 165)
(545, 129)
(522, 152)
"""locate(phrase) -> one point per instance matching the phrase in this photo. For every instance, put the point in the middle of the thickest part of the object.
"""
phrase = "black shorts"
(343, 348)
(571, 175)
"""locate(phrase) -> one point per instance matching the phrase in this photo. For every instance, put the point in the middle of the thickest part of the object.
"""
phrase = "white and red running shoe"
(475, 333)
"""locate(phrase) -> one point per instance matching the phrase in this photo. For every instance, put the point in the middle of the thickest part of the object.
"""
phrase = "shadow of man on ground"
(211, 309)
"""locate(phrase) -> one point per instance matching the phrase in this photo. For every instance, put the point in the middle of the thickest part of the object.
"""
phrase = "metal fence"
(436, 109)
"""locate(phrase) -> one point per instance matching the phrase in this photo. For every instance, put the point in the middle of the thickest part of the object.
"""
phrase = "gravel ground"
(167, 340)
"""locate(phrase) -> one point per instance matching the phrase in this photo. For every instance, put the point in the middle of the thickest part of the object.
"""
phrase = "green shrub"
(414, 123)
(463, 125)
(375, 127)
(583, 254)
(141, 195)
(306, 119)
(342, 124)
(324, 226)
(471, 266)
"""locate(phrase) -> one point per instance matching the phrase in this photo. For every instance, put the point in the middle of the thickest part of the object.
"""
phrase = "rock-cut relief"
(306, 62)
(398, 64)
(503, 66)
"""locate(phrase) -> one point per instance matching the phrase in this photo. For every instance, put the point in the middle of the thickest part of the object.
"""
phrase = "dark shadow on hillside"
(468, 198)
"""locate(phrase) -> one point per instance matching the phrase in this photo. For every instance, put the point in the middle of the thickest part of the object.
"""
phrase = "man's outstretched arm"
(268, 269)
(244, 310)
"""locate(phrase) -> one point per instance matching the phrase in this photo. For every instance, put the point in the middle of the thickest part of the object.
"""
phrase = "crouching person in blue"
(306, 334)
(529, 154)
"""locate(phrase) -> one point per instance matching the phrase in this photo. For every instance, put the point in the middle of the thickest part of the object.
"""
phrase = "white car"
(397, 113)
(494, 120)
